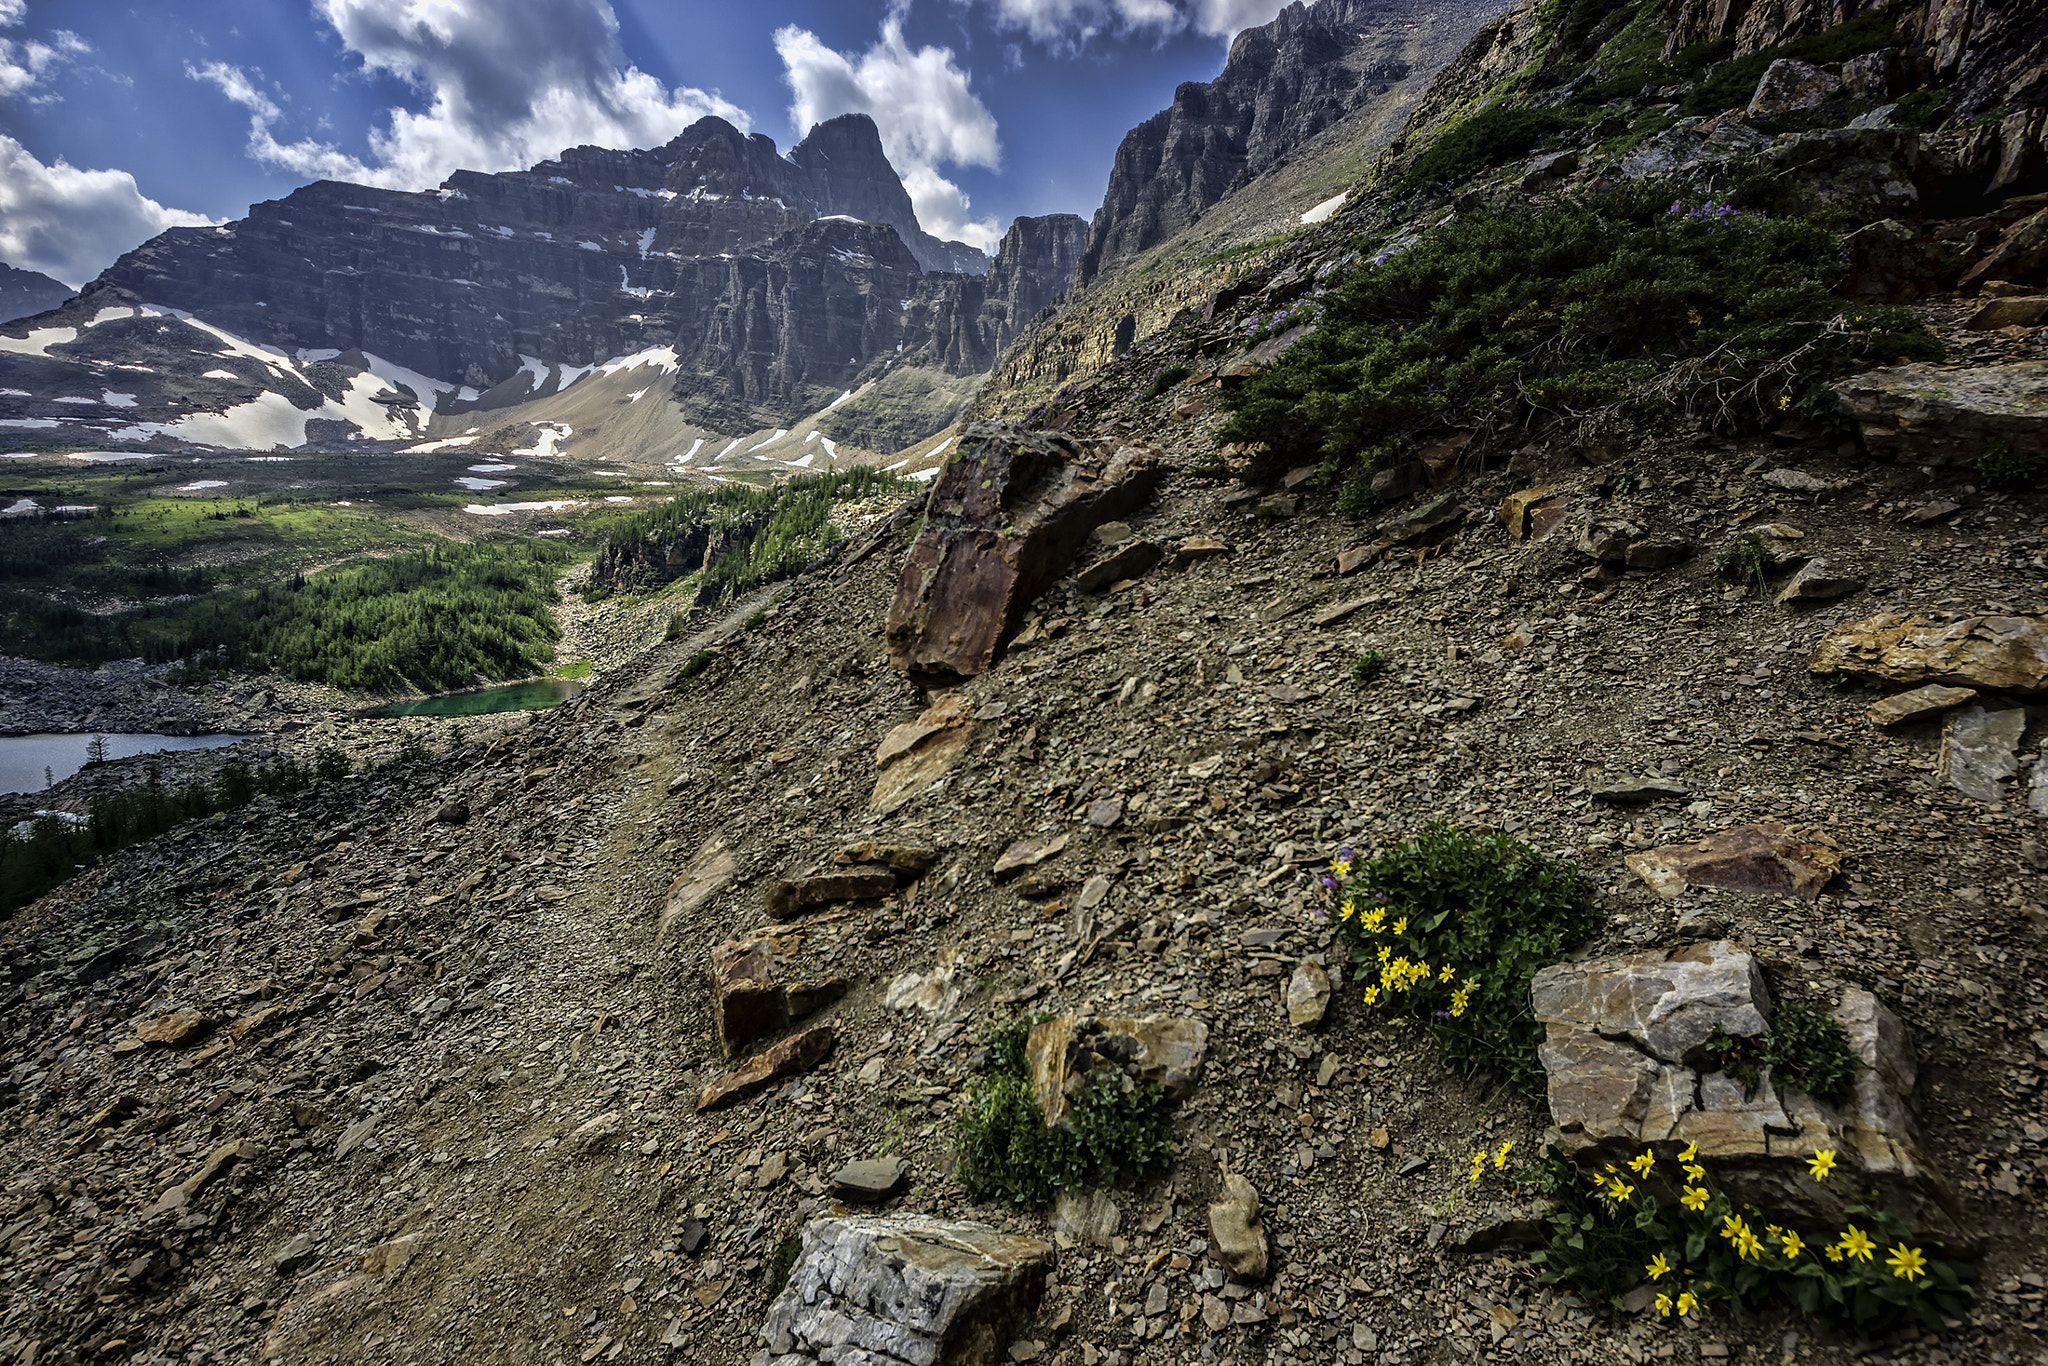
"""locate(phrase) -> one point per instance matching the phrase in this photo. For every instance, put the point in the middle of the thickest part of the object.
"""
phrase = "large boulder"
(753, 995)
(910, 1291)
(1005, 518)
(1930, 415)
(1625, 1049)
(2001, 653)
(1789, 85)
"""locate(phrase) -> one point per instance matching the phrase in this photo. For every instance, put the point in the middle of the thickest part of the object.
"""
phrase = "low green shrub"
(2005, 467)
(1922, 109)
(1804, 1046)
(1742, 561)
(1162, 380)
(1008, 1153)
(1450, 926)
(1494, 135)
(1629, 305)
(1368, 668)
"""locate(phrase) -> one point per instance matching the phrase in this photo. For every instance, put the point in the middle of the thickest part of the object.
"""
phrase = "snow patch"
(938, 450)
(429, 447)
(780, 432)
(39, 341)
(660, 357)
(1325, 209)
(198, 484)
(475, 485)
(548, 439)
(220, 374)
(494, 467)
(926, 476)
(30, 422)
(506, 509)
(691, 453)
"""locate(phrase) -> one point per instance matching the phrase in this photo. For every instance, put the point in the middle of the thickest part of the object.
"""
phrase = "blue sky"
(119, 119)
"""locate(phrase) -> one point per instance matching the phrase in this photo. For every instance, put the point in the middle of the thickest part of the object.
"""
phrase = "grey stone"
(1091, 1216)
(1933, 415)
(1816, 582)
(2037, 789)
(294, 1255)
(870, 1179)
(1308, 995)
(1638, 790)
(1796, 481)
(1236, 1233)
(1789, 85)
(1627, 1069)
(1981, 750)
(910, 1291)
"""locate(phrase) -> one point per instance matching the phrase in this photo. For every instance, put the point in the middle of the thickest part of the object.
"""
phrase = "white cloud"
(24, 63)
(1066, 25)
(71, 223)
(507, 83)
(923, 104)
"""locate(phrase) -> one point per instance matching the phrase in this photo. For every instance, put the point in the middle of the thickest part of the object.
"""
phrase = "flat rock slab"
(1636, 791)
(1004, 520)
(1127, 561)
(916, 754)
(870, 1179)
(910, 1291)
(178, 1027)
(1628, 1070)
(909, 858)
(1064, 1052)
(1931, 700)
(1933, 415)
(1762, 860)
(1817, 581)
(795, 1054)
(786, 900)
(1025, 853)
(2002, 653)
(1981, 750)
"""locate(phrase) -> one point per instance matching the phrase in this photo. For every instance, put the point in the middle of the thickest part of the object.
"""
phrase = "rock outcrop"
(1285, 82)
(2003, 653)
(911, 1291)
(1933, 415)
(1005, 519)
(1626, 1051)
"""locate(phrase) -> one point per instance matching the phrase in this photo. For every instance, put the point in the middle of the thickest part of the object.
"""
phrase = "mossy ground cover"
(1644, 305)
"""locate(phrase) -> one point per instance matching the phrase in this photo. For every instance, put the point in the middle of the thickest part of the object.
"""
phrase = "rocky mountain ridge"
(27, 292)
(778, 282)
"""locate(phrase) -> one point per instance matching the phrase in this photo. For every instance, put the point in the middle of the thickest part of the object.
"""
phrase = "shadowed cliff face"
(24, 292)
(1284, 83)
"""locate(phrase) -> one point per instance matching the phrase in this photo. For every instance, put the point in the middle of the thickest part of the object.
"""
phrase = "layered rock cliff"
(1286, 82)
(27, 292)
(778, 281)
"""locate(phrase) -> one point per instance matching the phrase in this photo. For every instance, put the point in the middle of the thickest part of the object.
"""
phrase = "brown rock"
(1308, 995)
(1516, 509)
(1004, 520)
(249, 1024)
(787, 900)
(1759, 859)
(795, 1054)
(1920, 702)
(909, 858)
(1127, 561)
(1025, 853)
(1237, 1232)
(2001, 653)
(1199, 548)
(2026, 312)
(1816, 582)
(178, 1027)
(918, 753)
(1358, 557)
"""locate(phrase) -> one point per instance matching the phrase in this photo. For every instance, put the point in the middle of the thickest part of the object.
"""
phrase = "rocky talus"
(424, 1066)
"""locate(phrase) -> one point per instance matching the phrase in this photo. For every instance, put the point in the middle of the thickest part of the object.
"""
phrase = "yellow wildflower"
(1794, 1245)
(1695, 1173)
(1459, 998)
(1401, 925)
(1620, 1190)
(1746, 1244)
(1856, 1243)
(1658, 1267)
(1644, 1163)
(1695, 1198)
(1691, 1153)
(1447, 974)
(1500, 1159)
(1478, 1164)
(1686, 1304)
(1821, 1163)
(1834, 1252)
(1733, 1224)
(1372, 996)
(1907, 1262)
(1664, 1305)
